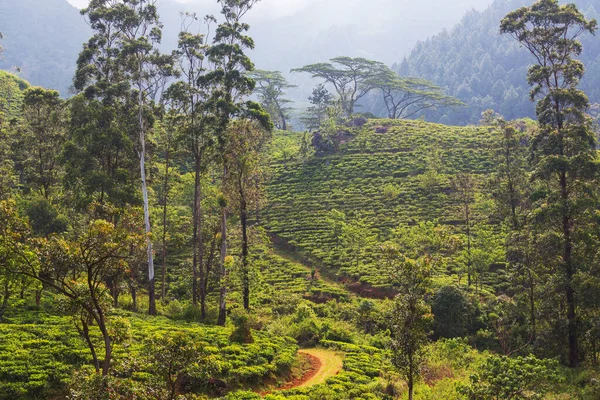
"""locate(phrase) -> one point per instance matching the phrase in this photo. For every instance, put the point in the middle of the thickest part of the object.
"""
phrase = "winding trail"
(323, 365)
(328, 363)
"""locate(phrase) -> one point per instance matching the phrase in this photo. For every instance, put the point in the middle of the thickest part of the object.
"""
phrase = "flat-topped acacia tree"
(406, 97)
(352, 78)
(565, 158)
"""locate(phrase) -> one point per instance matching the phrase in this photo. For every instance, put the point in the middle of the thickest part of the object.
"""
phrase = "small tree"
(356, 238)
(246, 140)
(463, 187)
(504, 378)
(175, 356)
(43, 135)
(352, 78)
(77, 268)
(271, 92)
(411, 315)
(14, 232)
(315, 115)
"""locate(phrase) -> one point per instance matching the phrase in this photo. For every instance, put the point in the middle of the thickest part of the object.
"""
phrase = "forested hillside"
(487, 70)
(45, 53)
(11, 94)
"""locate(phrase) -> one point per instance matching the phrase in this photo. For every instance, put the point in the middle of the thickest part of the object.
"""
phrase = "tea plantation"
(388, 174)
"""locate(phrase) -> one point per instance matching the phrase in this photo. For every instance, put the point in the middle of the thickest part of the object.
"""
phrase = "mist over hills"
(42, 38)
(454, 44)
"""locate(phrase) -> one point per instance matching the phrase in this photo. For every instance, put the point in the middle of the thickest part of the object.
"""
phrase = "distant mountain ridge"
(487, 70)
(44, 37)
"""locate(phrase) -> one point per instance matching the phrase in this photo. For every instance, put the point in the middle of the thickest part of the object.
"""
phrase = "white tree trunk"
(152, 305)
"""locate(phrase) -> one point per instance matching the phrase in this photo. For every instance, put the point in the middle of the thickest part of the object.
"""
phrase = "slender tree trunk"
(532, 305)
(469, 261)
(196, 233)
(410, 379)
(114, 288)
(38, 296)
(283, 121)
(199, 223)
(151, 278)
(245, 264)
(85, 333)
(570, 273)
(107, 344)
(5, 298)
(223, 281)
(132, 286)
(223, 292)
(204, 281)
(163, 289)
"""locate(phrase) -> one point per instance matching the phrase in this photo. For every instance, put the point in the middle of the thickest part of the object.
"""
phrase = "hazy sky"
(281, 8)
(272, 8)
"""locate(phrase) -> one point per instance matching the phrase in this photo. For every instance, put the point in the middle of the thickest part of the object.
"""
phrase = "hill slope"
(397, 177)
(11, 94)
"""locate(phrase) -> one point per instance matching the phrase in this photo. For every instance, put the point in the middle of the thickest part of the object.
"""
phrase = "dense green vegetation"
(11, 94)
(161, 239)
(388, 175)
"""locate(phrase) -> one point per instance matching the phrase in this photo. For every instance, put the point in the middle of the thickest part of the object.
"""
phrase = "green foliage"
(271, 90)
(45, 218)
(11, 95)
(411, 316)
(242, 333)
(503, 378)
(320, 101)
(452, 312)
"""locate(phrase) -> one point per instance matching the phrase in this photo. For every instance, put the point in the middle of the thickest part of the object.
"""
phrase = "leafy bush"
(511, 378)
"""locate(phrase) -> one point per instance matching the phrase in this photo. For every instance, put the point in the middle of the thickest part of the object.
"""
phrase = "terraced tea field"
(380, 176)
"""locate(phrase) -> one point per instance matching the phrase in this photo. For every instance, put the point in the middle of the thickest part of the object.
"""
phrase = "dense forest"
(167, 232)
(486, 70)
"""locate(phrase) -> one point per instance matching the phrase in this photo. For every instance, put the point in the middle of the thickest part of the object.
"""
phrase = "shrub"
(510, 378)
(192, 313)
(391, 191)
(452, 311)
(242, 333)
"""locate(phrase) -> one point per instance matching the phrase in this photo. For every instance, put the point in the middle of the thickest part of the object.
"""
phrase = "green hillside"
(11, 94)
(398, 177)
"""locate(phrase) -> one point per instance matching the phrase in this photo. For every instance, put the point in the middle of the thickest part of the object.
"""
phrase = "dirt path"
(329, 364)
(323, 365)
